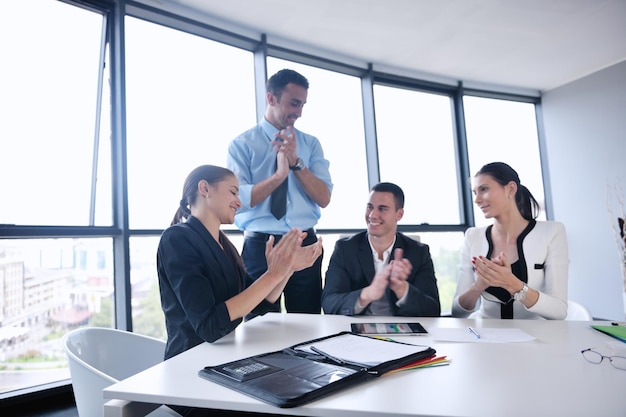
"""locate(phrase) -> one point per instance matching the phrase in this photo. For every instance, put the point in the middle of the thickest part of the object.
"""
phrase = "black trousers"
(303, 292)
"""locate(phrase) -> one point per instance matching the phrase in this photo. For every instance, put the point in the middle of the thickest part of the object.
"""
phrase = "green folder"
(618, 332)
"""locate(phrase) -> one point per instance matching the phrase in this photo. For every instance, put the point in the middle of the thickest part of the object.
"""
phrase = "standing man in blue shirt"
(271, 156)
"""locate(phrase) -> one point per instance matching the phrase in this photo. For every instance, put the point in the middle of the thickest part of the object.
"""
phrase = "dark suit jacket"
(351, 269)
(196, 277)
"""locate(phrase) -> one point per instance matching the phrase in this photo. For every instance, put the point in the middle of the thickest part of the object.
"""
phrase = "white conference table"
(544, 377)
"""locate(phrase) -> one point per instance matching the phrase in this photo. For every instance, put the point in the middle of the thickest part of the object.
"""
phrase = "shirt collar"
(269, 129)
(386, 252)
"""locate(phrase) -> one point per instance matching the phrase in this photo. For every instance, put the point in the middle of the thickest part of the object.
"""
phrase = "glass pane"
(445, 250)
(147, 314)
(187, 98)
(148, 318)
(50, 286)
(504, 131)
(49, 82)
(334, 114)
(416, 151)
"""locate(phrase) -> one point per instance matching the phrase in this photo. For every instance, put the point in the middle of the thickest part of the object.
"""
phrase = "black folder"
(302, 373)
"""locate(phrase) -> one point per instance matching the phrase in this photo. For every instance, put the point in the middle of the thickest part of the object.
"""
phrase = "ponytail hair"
(182, 213)
(503, 174)
(209, 173)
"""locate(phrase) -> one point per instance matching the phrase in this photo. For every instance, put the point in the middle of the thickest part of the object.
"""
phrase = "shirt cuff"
(402, 301)
(358, 308)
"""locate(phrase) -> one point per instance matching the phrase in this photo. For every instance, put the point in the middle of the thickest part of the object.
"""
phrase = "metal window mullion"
(260, 77)
(369, 121)
(121, 251)
(462, 156)
(543, 160)
(98, 118)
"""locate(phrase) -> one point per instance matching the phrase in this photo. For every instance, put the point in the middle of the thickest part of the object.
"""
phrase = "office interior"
(576, 80)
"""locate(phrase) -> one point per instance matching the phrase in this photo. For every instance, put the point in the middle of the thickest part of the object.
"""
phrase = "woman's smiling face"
(490, 196)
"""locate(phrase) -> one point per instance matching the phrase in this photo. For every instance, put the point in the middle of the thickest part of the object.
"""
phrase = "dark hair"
(388, 187)
(211, 174)
(503, 174)
(277, 82)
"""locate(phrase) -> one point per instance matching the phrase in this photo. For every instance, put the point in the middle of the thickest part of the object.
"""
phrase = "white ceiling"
(520, 44)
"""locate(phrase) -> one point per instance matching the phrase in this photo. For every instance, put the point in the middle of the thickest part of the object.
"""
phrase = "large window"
(334, 115)
(54, 171)
(66, 242)
(504, 131)
(187, 97)
(416, 151)
(49, 287)
(49, 87)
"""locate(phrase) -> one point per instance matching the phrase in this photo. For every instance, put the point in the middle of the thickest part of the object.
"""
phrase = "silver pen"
(474, 332)
(327, 356)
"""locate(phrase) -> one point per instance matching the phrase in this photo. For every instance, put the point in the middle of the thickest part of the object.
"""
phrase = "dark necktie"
(278, 204)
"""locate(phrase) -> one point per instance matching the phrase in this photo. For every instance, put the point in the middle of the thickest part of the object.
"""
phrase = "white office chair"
(577, 311)
(413, 236)
(99, 357)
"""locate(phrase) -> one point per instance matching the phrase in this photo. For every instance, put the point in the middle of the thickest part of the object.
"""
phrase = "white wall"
(585, 131)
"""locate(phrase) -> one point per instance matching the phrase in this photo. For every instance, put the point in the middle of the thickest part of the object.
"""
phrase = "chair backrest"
(577, 311)
(99, 357)
(413, 236)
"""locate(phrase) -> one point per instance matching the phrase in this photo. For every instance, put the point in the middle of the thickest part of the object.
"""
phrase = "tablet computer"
(388, 328)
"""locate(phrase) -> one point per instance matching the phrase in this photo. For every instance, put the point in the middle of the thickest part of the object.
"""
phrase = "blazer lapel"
(398, 245)
(365, 259)
(223, 263)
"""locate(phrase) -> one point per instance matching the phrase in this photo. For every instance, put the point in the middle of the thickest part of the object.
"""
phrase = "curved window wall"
(107, 117)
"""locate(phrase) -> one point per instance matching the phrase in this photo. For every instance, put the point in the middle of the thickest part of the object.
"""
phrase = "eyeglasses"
(592, 356)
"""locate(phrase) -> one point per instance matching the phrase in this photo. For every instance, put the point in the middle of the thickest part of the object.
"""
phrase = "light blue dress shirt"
(252, 159)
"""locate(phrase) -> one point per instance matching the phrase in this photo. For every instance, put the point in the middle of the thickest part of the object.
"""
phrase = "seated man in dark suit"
(381, 271)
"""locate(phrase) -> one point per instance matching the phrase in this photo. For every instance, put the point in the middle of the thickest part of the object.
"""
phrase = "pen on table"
(474, 332)
(327, 356)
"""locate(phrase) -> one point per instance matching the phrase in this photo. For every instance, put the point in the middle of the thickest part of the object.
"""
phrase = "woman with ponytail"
(205, 290)
(516, 268)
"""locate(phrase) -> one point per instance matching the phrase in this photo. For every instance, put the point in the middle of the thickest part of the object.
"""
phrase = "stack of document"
(361, 350)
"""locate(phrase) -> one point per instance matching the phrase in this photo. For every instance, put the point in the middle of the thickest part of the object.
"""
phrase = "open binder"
(307, 371)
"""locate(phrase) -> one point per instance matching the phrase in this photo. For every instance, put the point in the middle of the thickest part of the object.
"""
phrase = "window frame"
(115, 12)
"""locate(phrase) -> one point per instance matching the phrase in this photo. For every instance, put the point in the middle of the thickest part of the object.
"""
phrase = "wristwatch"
(298, 166)
(521, 294)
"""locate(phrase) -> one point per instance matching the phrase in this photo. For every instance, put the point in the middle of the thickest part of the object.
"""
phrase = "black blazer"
(351, 268)
(196, 277)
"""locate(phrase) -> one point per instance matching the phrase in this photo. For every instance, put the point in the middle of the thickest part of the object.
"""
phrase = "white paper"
(487, 335)
(363, 350)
